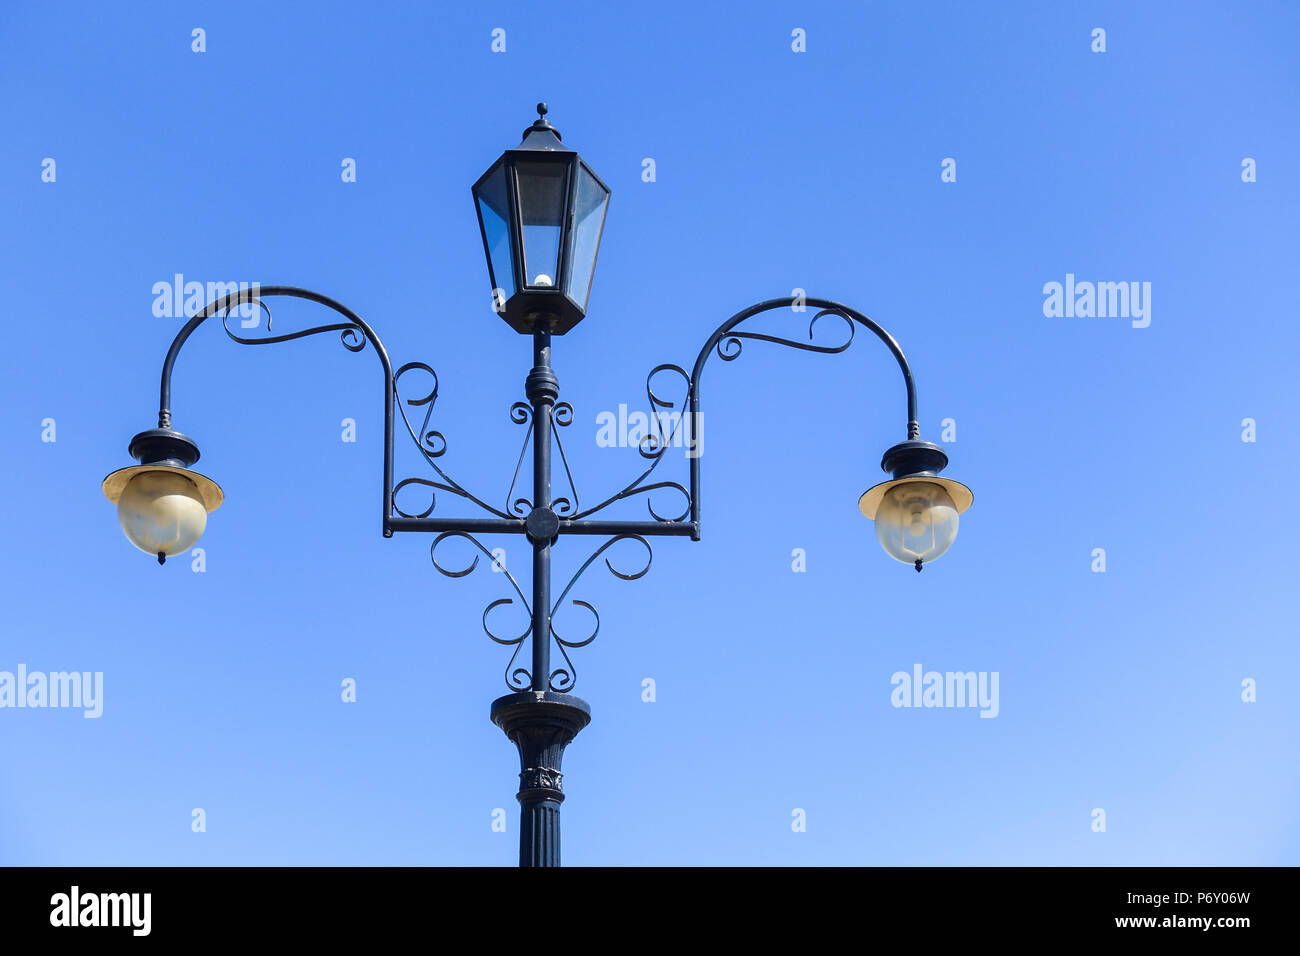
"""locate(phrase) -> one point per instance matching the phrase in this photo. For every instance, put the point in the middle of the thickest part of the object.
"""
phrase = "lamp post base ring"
(541, 724)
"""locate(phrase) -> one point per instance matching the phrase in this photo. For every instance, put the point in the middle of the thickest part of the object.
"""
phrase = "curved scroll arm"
(728, 344)
(726, 337)
(354, 333)
(727, 341)
(827, 307)
(349, 330)
(350, 333)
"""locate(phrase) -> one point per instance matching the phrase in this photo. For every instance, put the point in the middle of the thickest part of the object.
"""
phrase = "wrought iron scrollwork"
(351, 334)
(521, 413)
(562, 679)
(565, 505)
(517, 678)
(729, 347)
(432, 445)
(727, 343)
(667, 428)
(673, 422)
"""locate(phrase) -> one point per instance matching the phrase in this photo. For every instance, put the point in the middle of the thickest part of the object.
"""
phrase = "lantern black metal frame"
(539, 713)
(530, 305)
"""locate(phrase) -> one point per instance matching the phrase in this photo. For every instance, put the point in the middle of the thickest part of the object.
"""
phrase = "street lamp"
(916, 513)
(541, 211)
(162, 504)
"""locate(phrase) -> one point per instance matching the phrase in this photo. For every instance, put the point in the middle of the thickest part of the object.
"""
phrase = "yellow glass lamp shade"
(163, 510)
(916, 518)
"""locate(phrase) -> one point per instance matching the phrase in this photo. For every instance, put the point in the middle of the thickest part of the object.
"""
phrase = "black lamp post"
(541, 211)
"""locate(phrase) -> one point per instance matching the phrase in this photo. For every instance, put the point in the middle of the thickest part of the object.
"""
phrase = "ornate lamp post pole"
(541, 213)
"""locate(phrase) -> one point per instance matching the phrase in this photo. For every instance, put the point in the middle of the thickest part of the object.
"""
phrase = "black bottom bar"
(978, 907)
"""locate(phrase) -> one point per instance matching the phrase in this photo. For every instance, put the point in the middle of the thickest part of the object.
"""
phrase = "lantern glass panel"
(494, 211)
(543, 192)
(588, 220)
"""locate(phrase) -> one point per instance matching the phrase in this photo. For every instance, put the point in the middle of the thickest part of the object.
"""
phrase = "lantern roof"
(542, 135)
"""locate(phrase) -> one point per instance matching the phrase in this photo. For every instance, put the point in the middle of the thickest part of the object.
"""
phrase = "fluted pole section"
(541, 724)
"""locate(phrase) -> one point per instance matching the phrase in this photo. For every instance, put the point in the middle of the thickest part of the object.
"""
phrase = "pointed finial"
(540, 124)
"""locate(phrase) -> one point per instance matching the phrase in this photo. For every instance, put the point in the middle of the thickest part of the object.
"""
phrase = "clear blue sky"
(775, 170)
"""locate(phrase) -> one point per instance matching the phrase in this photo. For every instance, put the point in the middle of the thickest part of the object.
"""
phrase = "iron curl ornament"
(517, 678)
(563, 678)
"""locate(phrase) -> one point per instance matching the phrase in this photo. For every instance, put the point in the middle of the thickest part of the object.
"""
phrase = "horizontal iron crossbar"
(506, 526)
